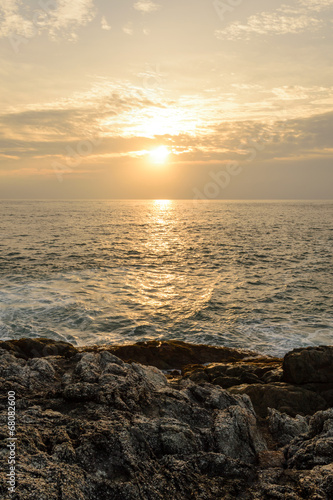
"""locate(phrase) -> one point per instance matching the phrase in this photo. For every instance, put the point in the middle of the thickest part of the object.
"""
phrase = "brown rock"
(176, 354)
(38, 348)
(283, 397)
(226, 382)
(271, 458)
(310, 365)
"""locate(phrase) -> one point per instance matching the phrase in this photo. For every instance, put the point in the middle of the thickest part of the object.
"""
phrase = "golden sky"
(166, 99)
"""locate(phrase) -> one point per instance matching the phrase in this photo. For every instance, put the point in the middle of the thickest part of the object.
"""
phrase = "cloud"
(317, 5)
(58, 18)
(12, 22)
(107, 110)
(146, 6)
(104, 24)
(287, 19)
(199, 128)
(269, 24)
(128, 29)
(69, 17)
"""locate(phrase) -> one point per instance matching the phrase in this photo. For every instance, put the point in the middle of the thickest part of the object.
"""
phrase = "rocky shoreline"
(167, 420)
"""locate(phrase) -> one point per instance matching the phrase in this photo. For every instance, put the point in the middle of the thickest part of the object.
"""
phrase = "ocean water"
(255, 275)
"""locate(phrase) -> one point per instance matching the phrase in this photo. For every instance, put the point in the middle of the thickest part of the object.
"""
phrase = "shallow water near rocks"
(254, 275)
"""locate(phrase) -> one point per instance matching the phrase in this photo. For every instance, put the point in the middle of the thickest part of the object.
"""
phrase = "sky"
(179, 99)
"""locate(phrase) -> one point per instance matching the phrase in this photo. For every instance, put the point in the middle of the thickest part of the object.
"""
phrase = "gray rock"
(316, 447)
(93, 427)
(238, 435)
(285, 428)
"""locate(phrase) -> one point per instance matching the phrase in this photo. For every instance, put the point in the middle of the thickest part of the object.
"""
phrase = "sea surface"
(255, 275)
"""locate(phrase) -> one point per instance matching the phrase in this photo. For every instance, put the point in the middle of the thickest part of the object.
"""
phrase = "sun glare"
(159, 155)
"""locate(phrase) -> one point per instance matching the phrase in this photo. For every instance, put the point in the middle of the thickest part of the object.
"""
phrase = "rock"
(249, 378)
(285, 428)
(237, 434)
(271, 458)
(226, 382)
(90, 425)
(104, 429)
(272, 376)
(175, 354)
(283, 397)
(199, 376)
(313, 364)
(235, 373)
(245, 372)
(316, 446)
(317, 484)
(328, 396)
(37, 348)
(41, 368)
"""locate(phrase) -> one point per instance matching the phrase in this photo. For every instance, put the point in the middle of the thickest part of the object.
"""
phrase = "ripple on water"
(237, 274)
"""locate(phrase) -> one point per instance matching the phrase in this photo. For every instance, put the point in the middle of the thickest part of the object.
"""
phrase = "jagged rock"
(90, 425)
(313, 364)
(237, 434)
(317, 484)
(236, 373)
(316, 446)
(286, 398)
(104, 429)
(285, 428)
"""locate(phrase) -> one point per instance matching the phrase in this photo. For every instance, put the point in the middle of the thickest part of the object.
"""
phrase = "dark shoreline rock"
(91, 425)
(310, 365)
(165, 355)
(286, 398)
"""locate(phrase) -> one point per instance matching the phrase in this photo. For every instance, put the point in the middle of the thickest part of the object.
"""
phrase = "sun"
(159, 155)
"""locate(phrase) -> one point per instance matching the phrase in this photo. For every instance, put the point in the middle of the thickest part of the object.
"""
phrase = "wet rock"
(313, 364)
(176, 354)
(286, 398)
(37, 348)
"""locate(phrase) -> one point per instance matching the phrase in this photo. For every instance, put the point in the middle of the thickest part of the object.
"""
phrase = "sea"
(245, 274)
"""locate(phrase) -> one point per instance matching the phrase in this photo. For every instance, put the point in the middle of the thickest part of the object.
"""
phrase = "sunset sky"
(166, 99)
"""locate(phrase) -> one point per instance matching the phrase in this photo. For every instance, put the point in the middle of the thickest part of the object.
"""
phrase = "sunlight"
(159, 155)
(165, 121)
(162, 203)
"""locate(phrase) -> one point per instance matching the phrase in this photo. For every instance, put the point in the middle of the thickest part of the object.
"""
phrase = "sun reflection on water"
(161, 213)
(163, 291)
(162, 204)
